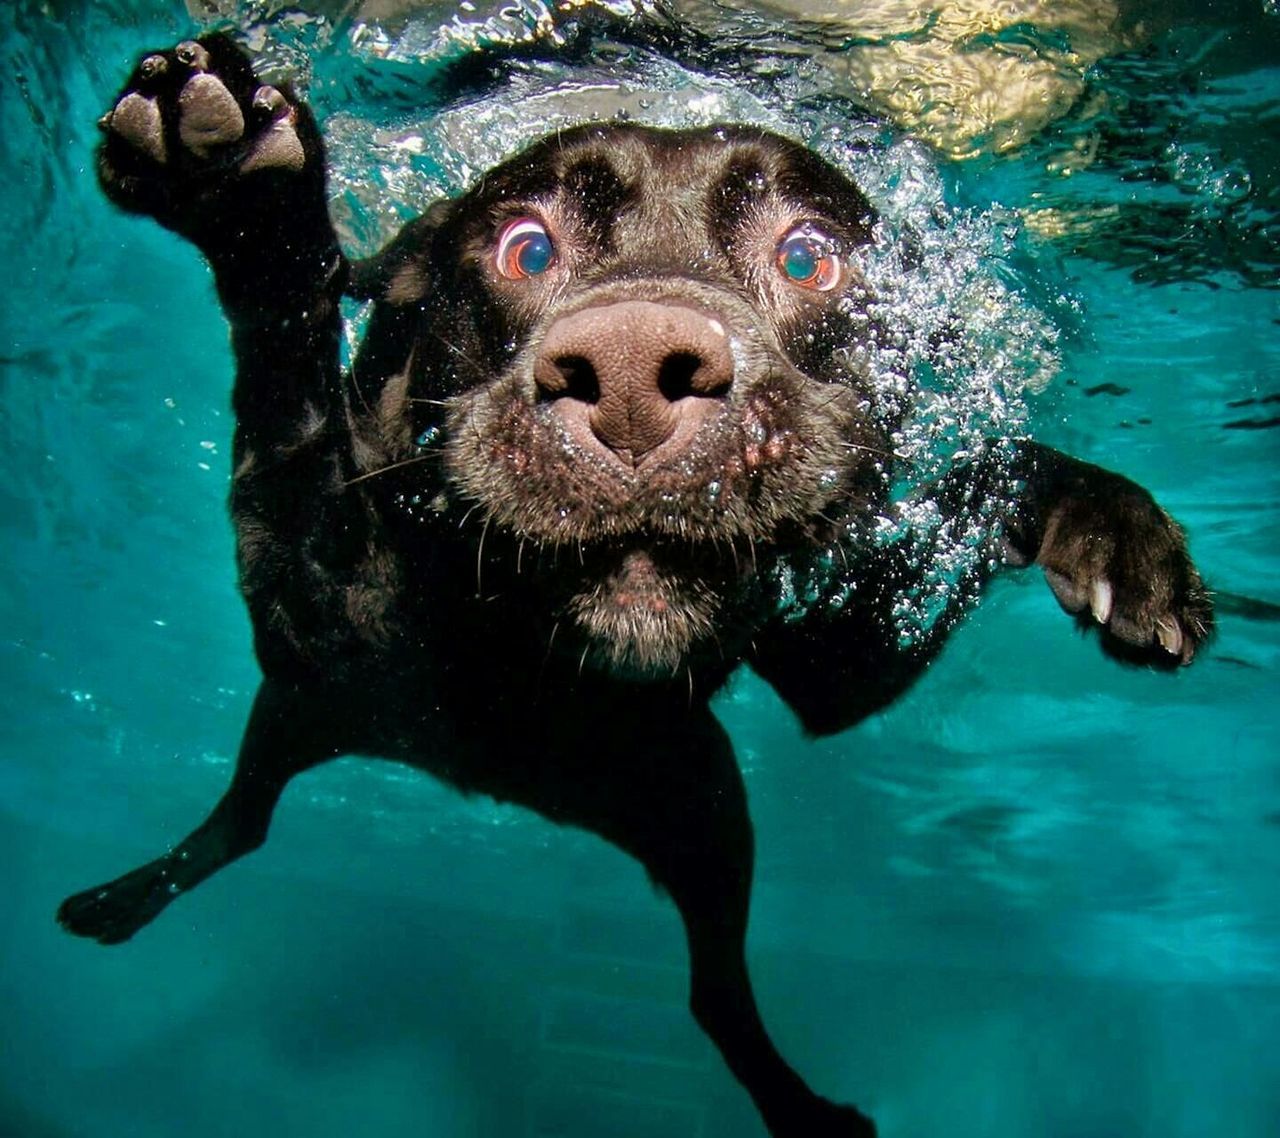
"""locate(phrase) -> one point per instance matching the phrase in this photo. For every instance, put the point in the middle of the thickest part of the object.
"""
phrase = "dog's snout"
(638, 369)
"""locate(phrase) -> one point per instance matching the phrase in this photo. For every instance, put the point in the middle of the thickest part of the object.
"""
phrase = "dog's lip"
(637, 583)
(575, 420)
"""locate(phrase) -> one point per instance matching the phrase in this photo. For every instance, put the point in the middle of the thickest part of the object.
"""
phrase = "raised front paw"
(1116, 559)
(191, 124)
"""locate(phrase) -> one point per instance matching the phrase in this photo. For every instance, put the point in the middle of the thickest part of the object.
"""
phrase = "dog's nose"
(639, 369)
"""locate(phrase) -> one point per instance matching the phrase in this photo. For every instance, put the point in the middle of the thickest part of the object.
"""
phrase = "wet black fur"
(416, 594)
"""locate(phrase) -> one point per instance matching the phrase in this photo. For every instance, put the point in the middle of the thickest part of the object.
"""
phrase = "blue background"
(1037, 897)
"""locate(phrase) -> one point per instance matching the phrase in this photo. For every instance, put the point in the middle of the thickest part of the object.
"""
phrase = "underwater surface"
(1040, 896)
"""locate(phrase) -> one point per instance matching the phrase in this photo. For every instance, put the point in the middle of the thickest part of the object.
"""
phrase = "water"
(1036, 897)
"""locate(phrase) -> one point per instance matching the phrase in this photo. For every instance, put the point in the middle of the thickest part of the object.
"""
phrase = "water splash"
(957, 350)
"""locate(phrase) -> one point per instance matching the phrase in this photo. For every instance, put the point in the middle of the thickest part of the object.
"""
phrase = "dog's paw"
(822, 1118)
(192, 122)
(842, 1122)
(1116, 560)
(112, 913)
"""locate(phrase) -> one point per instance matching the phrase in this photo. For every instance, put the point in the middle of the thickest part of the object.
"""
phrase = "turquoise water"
(1037, 897)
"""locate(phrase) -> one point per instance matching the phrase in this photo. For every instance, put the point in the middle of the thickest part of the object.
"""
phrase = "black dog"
(605, 404)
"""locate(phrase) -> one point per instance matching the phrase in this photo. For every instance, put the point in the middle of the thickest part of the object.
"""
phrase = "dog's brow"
(593, 190)
(743, 185)
(805, 178)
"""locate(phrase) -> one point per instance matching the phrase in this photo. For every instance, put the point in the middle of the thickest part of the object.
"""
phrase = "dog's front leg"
(235, 166)
(287, 733)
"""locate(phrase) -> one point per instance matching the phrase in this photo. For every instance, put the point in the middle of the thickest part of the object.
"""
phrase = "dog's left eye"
(806, 256)
(524, 249)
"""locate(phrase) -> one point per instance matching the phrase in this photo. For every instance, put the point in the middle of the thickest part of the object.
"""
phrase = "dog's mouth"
(778, 455)
(646, 564)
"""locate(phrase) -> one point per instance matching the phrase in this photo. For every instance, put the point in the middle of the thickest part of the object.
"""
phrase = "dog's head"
(641, 348)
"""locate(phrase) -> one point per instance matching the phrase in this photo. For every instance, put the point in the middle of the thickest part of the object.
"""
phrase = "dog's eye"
(524, 249)
(807, 257)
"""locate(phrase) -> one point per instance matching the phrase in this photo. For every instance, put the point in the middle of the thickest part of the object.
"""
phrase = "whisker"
(832, 398)
(457, 351)
(839, 548)
(355, 383)
(718, 642)
(546, 658)
(480, 553)
(351, 372)
(870, 450)
(391, 466)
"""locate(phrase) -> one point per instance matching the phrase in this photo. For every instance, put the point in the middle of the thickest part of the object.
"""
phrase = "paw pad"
(136, 119)
(209, 115)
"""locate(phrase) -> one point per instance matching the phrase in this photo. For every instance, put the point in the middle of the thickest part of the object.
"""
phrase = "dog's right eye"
(524, 249)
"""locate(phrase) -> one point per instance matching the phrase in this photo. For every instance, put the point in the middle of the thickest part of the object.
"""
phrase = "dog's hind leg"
(279, 742)
(682, 810)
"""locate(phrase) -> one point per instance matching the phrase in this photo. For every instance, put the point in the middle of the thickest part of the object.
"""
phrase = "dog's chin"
(640, 622)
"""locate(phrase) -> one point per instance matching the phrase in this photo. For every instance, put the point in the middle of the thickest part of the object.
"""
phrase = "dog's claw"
(1123, 566)
(111, 913)
(153, 67)
(269, 102)
(1100, 600)
(193, 55)
(1169, 633)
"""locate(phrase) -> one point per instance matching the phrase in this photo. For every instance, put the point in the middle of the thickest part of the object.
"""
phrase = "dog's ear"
(398, 274)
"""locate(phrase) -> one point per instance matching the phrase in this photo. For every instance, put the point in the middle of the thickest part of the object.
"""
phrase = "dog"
(608, 409)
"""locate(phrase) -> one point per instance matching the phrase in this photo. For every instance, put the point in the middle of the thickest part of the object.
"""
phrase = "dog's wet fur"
(543, 516)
